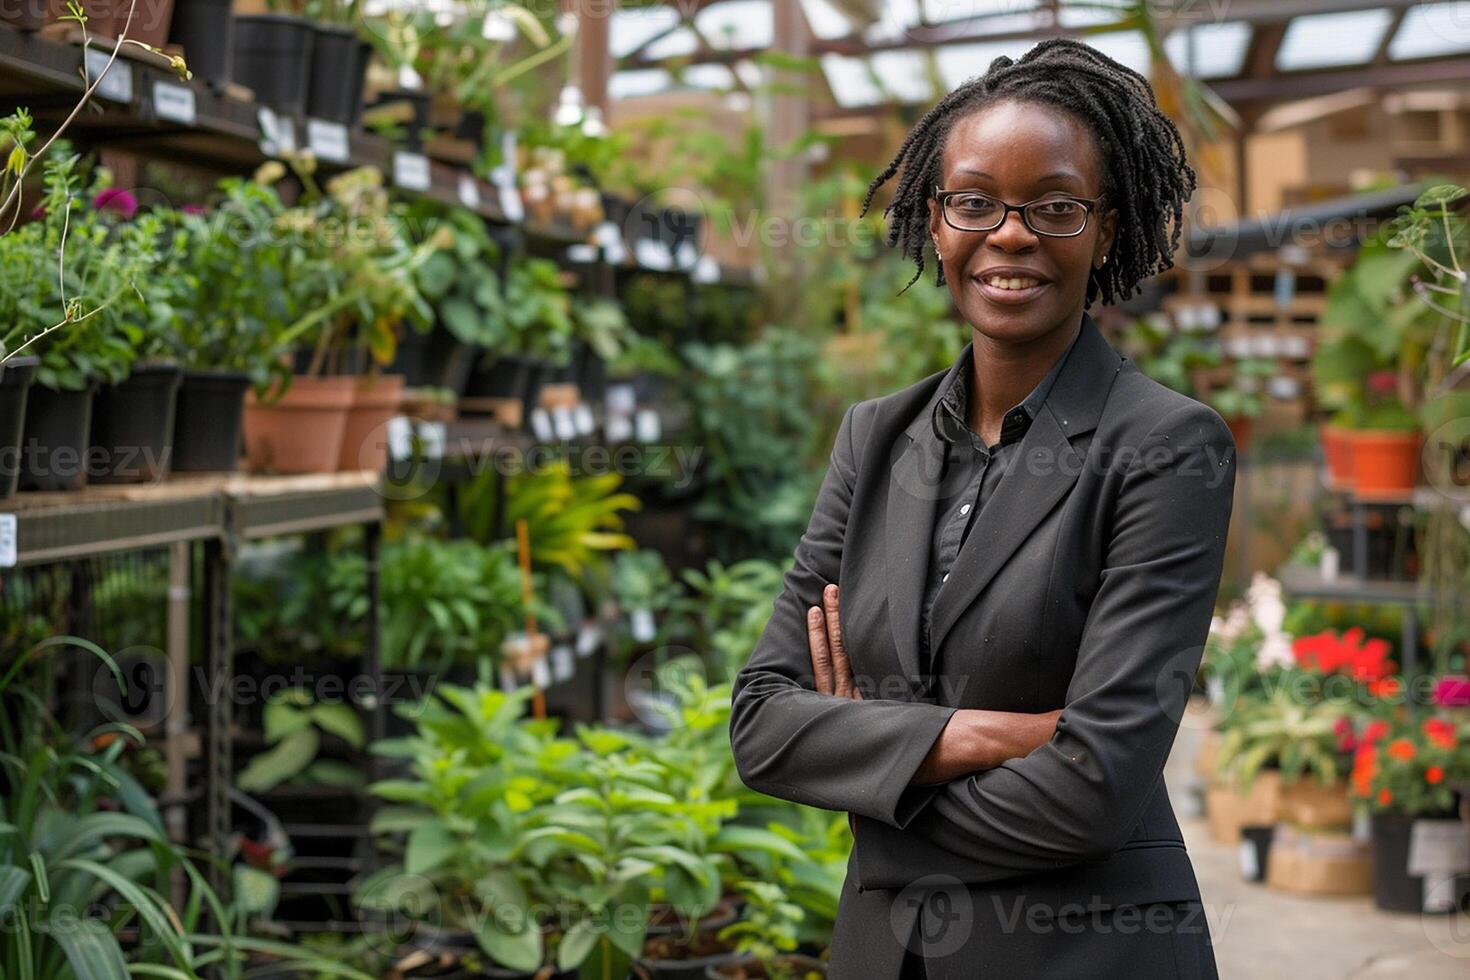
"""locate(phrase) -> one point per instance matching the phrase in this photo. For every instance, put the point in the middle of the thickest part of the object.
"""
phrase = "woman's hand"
(830, 666)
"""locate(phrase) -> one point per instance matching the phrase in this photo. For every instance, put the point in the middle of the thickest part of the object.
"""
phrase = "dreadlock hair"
(1144, 173)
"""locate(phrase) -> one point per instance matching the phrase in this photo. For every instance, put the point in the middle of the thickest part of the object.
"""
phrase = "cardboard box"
(1227, 809)
(1328, 863)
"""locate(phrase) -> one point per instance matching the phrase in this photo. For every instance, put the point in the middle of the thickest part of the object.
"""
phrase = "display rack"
(218, 512)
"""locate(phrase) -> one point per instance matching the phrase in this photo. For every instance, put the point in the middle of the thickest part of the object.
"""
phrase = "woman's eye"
(975, 203)
(1059, 208)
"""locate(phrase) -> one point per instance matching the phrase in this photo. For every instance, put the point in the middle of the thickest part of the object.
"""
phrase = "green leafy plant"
(294, 725)
(768, 928)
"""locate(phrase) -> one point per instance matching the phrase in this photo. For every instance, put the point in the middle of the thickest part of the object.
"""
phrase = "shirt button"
(964, 510)
(946, 577)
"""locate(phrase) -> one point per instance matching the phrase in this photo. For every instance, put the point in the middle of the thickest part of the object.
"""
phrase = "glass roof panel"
(1219, 49)
(628, 29)
(712, 76)
(944, 11)
(904, 74)
(1125, 47)
(848, 78)
(737, 24)
(958, 63)
(1430, 30)
(641, 81)
(1325, 40)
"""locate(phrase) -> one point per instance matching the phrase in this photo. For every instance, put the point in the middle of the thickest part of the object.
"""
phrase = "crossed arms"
(1002, 794)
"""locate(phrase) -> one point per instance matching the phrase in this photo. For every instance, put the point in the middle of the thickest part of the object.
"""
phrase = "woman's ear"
(936, 221)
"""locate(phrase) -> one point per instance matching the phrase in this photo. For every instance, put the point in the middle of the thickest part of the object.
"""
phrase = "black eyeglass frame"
(1090, 206)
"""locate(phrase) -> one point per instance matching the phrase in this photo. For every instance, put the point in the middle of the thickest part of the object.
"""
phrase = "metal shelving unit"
(218, 512)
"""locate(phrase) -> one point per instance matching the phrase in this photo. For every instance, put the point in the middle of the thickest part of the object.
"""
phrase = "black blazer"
(1087, 584)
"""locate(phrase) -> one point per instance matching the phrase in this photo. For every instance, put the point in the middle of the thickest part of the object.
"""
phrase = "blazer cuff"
(901, 801)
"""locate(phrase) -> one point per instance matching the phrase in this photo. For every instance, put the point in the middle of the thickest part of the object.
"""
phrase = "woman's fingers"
(821, 653)
(841, 667)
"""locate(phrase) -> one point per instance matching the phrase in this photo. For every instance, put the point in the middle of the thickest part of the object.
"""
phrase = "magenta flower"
(1382, 382)
(116, 200)
(1452, 692)
(192, 209)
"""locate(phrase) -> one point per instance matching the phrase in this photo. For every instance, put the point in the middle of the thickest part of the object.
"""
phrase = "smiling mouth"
(1010, 282)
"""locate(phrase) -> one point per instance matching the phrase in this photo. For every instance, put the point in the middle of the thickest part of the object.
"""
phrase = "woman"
(1028, 548)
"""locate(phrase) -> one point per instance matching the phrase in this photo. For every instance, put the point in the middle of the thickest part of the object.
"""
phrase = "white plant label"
(328, 140)
(1250, 867)
(649, 425)
(173, 102)
(540, 673)
(653, 254)
(588, 636)
(411, 171)
(563, 664)
(561, 417)
(541, 424)
(621, 399)
(1437, 846)
(400, 437)
(9, 547)
(582, 417)
(619, 428)
(117, 84)
(469, 192)
(643, 625)
(706, 270)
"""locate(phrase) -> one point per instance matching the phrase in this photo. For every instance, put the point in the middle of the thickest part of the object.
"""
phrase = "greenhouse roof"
(904, 52)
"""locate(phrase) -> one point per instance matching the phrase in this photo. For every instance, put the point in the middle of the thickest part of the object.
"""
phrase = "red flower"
(1363, 660)
(1401, 749)
(1343, 729)
(1440, 732)
(1434, 775)
(1375, 730)
(1382, 382)
(1384, 797)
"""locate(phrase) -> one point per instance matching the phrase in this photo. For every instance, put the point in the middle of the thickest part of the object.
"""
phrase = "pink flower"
(116, 200)
(1452, 692)
(192, 209)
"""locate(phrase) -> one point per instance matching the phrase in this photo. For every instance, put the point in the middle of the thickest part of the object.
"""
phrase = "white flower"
(1275, 651)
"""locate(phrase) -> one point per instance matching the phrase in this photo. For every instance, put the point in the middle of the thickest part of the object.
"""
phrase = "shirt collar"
(951, 412)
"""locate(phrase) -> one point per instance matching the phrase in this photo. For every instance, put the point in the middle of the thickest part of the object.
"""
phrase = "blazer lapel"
(1040, 473)
(913, 491)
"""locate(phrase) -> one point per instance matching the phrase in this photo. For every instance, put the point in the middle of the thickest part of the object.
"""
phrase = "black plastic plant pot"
(362, 57)
(507, 377)
(1255, 851)
(434, 359)
(591, 375)
(204, 29)
(1394, 888)
(471, 126)
(207, 421)
(795, 964)
(334, 92)
(133, 426)
(272, 57)
(54, 441)
(16, 376)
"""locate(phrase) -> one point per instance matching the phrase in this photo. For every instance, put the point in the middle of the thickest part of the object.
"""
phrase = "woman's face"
(1019, 152)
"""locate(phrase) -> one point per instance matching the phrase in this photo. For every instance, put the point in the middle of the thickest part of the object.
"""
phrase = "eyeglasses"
(1055, 217)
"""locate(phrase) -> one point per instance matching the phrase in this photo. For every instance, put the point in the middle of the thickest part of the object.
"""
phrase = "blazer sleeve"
(1079, 797)
(819, 749)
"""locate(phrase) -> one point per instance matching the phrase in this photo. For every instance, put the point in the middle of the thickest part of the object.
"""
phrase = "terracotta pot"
(1241, 428)
(1337, 449)
(302, 431)
(375, 400)
(1385, 461)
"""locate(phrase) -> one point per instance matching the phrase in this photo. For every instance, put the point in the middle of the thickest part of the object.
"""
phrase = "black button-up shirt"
(971, 471)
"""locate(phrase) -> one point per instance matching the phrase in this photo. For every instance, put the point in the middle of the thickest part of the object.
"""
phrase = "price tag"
(563, 664)
(1438, 847)
(582, 252)
(619, 428)
(411, 170)
(588, 636)
(621, 399)
(1329, 564)
(644, 628)
(173, 102)
(434, 439)
(510, 204)
(400, 437)
(540, 673)
(286, 134)
(582, 416)
(706, 270)
(1439, 892)
(652, 254)
(328, 140)
(649, 425)
(1250, 868)
(270, 141)
(469, 192)
(561, 418)
(8, 541)
(687, 255)
(609, 238)
(117, 84)
(541, 424)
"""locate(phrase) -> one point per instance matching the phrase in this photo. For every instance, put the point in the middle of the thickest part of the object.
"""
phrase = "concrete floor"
(1263, 934)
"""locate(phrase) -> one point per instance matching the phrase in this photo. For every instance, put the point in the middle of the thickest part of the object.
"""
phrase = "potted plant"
(1385, 439)
(205, 30)
(766, 938)
(271, 54)
(339, 60)
(350, 278)
(82, 328)
(530, 335)
(1404, 770)
(221, 305)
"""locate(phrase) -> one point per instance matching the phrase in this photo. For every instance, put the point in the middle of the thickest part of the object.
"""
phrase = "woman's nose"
(1012, 235)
